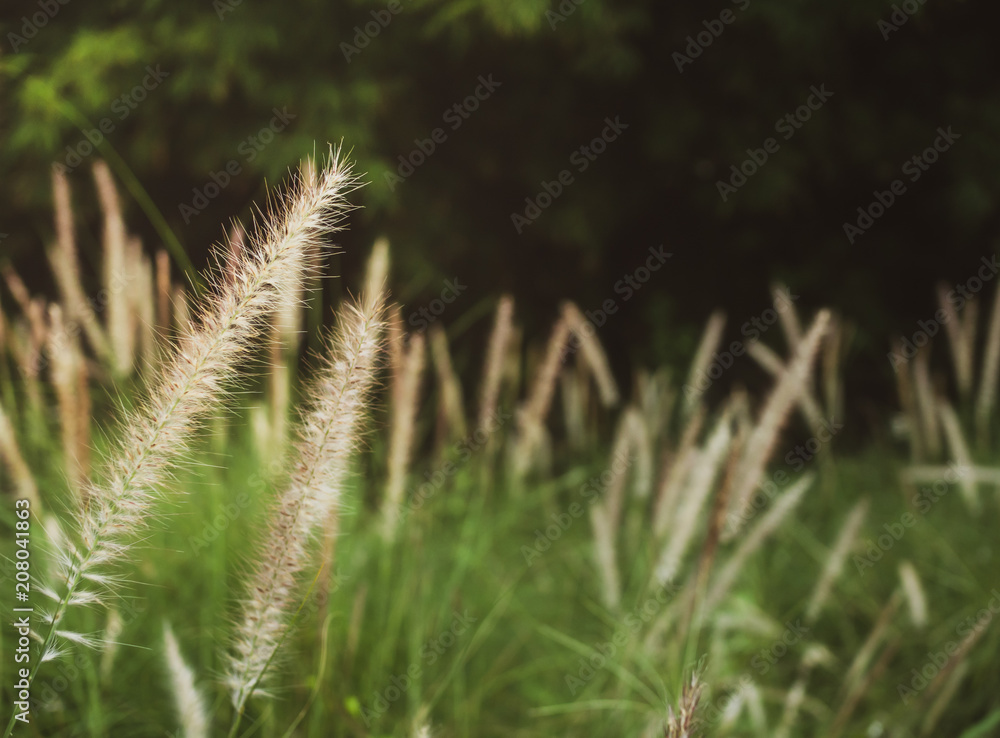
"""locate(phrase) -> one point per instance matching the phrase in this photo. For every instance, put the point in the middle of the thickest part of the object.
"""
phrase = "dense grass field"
(520, 633)
(570, 556)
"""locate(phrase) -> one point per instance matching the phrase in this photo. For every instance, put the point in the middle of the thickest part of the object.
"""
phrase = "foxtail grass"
(677, 468)
(834, 348)
(989, 376)
(789, 388)
(184, 322)
(13, 459)
(913, 590)
(605, 528)
(164, 293)
(796, 695)
(763, 529)
(66, 269)
(194, 382)
(532, 415)
(33, 310)
(926, 403)
(142, 301)
(71, 383)
(330, 429)
(944, 698)
(710, 339)
(402, 434)
(876, 637)
(116, 272)
(700, 484)
(834, 563)
(791, 326)
(377, 269)
(960, 452)
(593, 353)
(109, 643)
(682, 722)
(960, 338)
(189, 702)
(396, 348)
(496, 353)
(451, 409)
(772, 364)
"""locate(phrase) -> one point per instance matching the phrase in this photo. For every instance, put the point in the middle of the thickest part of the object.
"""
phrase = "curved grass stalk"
(191, 386)
(329, 432)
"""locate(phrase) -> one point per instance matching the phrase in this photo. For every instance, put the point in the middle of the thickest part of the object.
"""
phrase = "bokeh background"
(380, 76)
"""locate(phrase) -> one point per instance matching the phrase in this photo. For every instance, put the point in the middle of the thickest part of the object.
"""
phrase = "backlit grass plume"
(329, 431)
(66, 269)
(10, 456)
(787, 391)
(405, 405)
(683, 722)
(116, 275)
(192, 384)
(495, 354)
(189, 702)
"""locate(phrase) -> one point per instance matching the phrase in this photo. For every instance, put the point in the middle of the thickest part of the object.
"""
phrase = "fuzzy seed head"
(329, 430)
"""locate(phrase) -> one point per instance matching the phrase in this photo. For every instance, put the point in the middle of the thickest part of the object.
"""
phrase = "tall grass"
(641, 563)
(329, 432)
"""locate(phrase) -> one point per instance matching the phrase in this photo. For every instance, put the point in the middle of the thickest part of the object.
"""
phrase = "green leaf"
(984, 727)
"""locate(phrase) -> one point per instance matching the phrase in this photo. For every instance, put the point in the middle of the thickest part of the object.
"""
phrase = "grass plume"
(193, 384)
(189, 702)
(329, 431)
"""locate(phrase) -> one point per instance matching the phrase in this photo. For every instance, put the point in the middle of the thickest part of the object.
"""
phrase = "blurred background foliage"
(562, 68)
